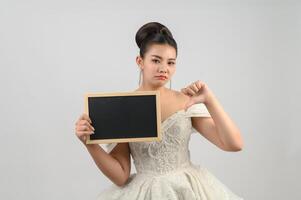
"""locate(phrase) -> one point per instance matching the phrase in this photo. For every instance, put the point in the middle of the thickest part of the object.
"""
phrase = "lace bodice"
(172, 151)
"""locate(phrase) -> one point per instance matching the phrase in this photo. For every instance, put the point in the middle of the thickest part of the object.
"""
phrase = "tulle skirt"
(192, 183)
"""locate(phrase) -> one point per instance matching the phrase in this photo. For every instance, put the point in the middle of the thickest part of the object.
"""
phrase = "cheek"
(172, 70)
(150, 71)
(148, 67)
(152, 67)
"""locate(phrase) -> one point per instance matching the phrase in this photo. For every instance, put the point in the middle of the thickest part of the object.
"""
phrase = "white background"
(53, 52)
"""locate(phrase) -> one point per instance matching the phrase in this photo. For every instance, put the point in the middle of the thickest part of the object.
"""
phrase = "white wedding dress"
(164, 169)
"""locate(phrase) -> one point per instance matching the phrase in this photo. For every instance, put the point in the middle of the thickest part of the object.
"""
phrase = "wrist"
(88, 146)
(208, 96)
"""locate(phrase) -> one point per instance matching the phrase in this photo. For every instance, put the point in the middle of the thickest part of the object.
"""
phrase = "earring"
(170, 84)
(140, 78)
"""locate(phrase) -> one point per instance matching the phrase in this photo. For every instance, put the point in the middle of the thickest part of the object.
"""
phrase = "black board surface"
(124, 117)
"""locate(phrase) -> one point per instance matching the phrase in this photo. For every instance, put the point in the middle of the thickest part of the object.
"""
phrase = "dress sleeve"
(109, 147)
(197, 110)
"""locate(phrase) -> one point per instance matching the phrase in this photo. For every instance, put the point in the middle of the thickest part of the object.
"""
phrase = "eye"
(171, 63)
(155, 60)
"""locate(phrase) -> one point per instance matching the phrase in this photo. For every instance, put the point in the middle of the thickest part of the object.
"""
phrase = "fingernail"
(93, 128)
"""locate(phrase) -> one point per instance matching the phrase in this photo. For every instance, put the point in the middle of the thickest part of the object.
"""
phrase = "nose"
(162, 70)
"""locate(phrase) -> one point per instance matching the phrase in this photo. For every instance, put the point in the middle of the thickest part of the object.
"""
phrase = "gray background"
(52, 52)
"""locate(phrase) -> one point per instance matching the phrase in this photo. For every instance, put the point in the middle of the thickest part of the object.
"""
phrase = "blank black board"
(124, 116)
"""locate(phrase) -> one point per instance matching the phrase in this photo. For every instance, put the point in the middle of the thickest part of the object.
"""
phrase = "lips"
(162, 77)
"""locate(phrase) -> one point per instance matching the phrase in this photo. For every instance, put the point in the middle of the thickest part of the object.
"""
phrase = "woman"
(164, 169)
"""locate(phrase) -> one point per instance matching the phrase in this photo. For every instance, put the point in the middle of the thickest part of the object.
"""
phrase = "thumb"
(190, 103)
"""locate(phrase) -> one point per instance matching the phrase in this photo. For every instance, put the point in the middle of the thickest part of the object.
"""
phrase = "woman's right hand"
(83, 128)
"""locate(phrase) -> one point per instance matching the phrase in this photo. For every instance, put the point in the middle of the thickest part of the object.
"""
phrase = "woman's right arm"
(116, 165)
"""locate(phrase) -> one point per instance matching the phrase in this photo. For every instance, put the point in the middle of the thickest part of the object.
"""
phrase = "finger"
(190, 91)
(82, 133)
(195, 88)
(85, 122)
(83, 128)
(89, 120)
(183, 90)
(199, 84)
(84, 116)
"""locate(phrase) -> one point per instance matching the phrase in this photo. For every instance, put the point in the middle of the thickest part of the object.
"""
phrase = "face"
(159, 60)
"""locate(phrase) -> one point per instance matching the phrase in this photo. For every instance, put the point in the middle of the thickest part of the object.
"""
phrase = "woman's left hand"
(198, 92)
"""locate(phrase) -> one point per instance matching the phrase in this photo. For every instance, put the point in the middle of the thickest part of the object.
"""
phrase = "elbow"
(237, 147)
(240, 145)
(122, 182)
(234, 147)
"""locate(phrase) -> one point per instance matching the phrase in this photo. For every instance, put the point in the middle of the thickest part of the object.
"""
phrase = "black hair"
(154, 33)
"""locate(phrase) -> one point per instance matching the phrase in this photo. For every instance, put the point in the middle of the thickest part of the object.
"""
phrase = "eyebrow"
(161, 57)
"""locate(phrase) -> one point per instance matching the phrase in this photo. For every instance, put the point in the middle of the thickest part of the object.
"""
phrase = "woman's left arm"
(219, 129)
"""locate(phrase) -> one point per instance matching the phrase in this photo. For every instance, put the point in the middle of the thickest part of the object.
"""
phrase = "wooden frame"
(121, 140)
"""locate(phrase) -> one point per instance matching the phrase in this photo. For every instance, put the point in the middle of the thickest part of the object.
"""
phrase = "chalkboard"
(124, 116)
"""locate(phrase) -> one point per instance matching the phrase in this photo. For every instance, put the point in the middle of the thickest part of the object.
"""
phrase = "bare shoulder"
(181, 98)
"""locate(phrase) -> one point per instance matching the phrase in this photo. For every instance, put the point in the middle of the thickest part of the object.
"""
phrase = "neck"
(161, 89)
